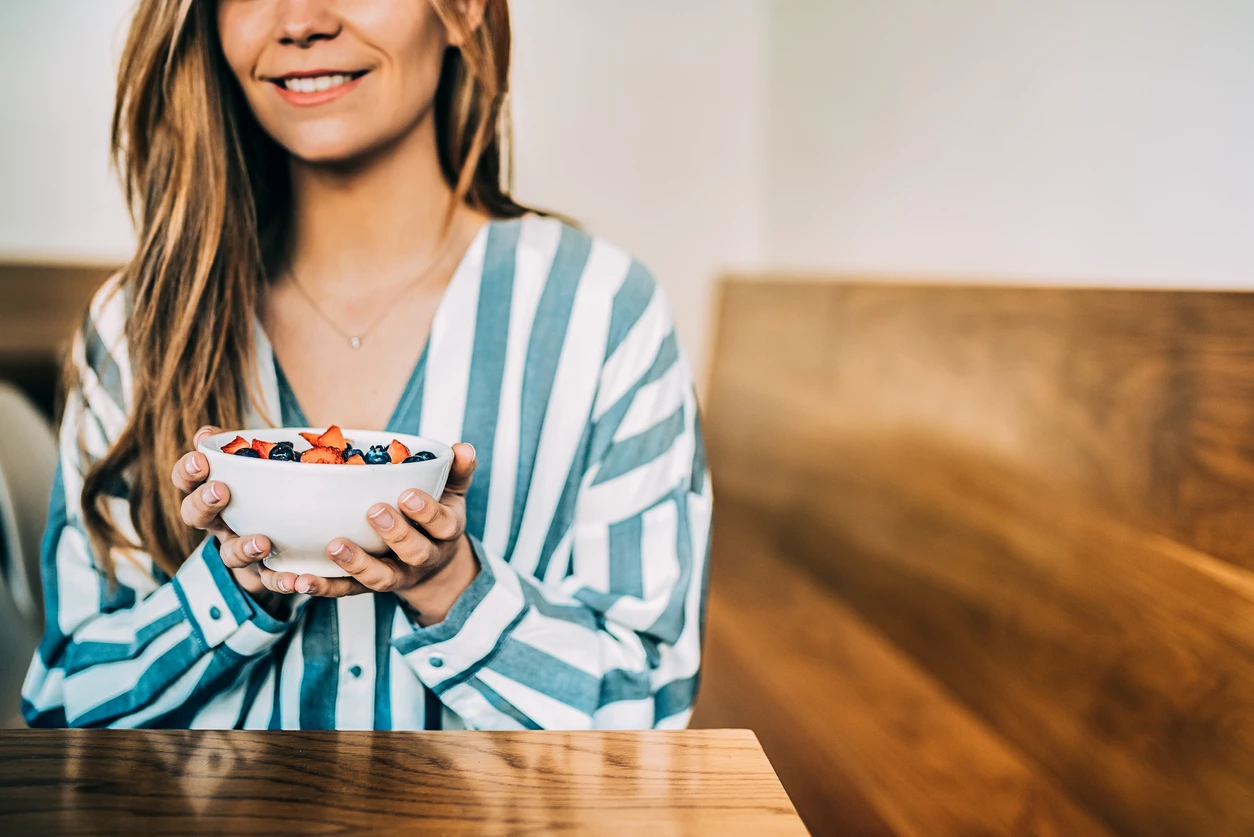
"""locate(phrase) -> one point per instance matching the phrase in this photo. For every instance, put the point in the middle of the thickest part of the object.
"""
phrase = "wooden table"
(716, 782)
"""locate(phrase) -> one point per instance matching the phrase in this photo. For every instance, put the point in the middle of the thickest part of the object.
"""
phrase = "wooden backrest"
(1042, 496)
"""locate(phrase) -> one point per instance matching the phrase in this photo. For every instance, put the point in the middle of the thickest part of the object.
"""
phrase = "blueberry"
(421, 456)
(377, 455)
(350, 452)
(284, 452)
(249, 452)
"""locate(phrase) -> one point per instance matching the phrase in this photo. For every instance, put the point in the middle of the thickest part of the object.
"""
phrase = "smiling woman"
(325, 238)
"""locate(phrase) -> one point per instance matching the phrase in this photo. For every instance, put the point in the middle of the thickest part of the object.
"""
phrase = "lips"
(316, 87)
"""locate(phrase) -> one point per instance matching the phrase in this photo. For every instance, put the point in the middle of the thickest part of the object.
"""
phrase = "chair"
(28, 460)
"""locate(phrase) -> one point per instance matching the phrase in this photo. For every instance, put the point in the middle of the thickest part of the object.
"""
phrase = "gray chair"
(28, 461)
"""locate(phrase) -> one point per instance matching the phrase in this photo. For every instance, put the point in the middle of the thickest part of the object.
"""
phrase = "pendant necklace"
(355, 340)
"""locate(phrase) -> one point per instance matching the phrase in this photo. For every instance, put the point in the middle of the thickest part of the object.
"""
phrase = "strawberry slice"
(262, 448)
(333, 438)
(398, 452)
(355, 459)
(311, 438)
(235, 444)
(322, 456)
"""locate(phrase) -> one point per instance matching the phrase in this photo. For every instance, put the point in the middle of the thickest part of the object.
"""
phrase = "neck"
(373, 221)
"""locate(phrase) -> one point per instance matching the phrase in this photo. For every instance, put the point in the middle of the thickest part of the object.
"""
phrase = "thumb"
(465, 460)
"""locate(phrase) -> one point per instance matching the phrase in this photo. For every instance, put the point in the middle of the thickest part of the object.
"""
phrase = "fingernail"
(302, 586)
(192, 466)
(383, 518)
(284, 584)
(339, 550)
(474, 454)
(412, 500)
(252, 549)
(212, 497)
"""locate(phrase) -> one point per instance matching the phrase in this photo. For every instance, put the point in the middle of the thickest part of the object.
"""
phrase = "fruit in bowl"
(281, 489)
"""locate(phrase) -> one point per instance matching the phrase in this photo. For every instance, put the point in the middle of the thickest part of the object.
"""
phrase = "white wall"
(1069, 140)
(58, 197)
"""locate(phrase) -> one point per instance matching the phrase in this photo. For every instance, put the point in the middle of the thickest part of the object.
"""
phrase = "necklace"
(355, 340)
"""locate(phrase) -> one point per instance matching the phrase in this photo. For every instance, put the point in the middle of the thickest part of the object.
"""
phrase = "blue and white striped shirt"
(554, 354)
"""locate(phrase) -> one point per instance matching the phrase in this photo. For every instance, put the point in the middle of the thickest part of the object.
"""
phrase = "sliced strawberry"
(333, 438)
(322, 456)
(311, 438)
(355, 459)
(398, 452)
(235, 444)
(262, 448)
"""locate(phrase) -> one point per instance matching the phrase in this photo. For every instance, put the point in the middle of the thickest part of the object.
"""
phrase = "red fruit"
(398, 452)
(333, 438)
(235, 444)
(311, 438)
(262, 448)
(322, 456)
(355, 459)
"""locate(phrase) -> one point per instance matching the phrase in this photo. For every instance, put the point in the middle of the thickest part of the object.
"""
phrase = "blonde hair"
(209, 192)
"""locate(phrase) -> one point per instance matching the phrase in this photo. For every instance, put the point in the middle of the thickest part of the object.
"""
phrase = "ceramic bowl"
(301, 507)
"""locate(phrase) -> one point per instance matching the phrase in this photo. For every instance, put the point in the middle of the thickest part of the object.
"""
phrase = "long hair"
(210, 194)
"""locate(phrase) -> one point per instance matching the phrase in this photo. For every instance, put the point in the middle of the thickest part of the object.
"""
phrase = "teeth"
(315, 85)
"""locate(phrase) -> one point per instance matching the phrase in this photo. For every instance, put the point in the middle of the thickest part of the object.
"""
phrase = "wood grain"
(449, 783)
(43, 304)
(850, 721)
(1040, 498)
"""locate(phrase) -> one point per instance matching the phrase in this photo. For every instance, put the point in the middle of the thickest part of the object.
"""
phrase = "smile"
(316, 87)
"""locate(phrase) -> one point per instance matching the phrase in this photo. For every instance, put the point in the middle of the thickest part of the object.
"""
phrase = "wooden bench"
(983, 558)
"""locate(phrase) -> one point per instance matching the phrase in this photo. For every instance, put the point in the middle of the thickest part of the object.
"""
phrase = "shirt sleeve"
(617, 642)
(136, 652)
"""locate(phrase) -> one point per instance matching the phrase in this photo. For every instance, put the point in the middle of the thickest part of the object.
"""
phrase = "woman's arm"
(617, 642)
(137, 653)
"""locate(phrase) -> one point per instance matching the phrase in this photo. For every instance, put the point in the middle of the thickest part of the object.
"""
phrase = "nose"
(303, 22)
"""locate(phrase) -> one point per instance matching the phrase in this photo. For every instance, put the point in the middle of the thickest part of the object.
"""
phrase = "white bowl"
(301, 507)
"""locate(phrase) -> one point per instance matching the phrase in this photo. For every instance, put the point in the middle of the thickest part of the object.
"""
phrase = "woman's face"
(332, 80)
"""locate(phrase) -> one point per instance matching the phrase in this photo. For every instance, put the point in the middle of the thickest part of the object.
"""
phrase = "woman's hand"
(202, 509)
(431, 561)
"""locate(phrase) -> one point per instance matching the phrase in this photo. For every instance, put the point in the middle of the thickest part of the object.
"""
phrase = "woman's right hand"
(202, 509)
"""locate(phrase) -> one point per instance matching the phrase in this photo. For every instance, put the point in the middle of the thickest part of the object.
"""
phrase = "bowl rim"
(442, 451)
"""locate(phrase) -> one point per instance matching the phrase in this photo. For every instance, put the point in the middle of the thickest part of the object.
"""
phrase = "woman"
(324, 238)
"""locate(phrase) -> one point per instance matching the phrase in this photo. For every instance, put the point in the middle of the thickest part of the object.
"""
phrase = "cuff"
(214, 602)
(476, 627)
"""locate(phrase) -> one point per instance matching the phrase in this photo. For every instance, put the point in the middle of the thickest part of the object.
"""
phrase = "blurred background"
(985, 261)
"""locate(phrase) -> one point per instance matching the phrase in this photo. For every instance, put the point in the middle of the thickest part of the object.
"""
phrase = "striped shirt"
(554, 354)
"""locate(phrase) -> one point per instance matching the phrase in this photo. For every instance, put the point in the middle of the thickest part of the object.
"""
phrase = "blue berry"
(284, 452)
(420, 456)
(350, 452)
(377, 455)
(249, 452)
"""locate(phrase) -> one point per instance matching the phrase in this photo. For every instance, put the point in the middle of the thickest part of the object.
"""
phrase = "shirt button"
(355, 671)
(436, 661)
(214, 613)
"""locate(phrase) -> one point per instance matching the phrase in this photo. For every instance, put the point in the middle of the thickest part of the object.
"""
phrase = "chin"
(332, 145)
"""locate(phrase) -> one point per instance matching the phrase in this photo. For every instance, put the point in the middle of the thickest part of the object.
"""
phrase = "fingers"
(201, 509)
(463, 469)
(374, 573)
(207, 430)
(190, 471)
(444, 523)
(410, 545)
(238, 553)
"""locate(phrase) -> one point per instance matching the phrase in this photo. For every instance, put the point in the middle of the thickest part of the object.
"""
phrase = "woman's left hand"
(431, 563)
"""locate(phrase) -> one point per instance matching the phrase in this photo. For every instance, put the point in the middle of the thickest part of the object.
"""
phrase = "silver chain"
(355, 340)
